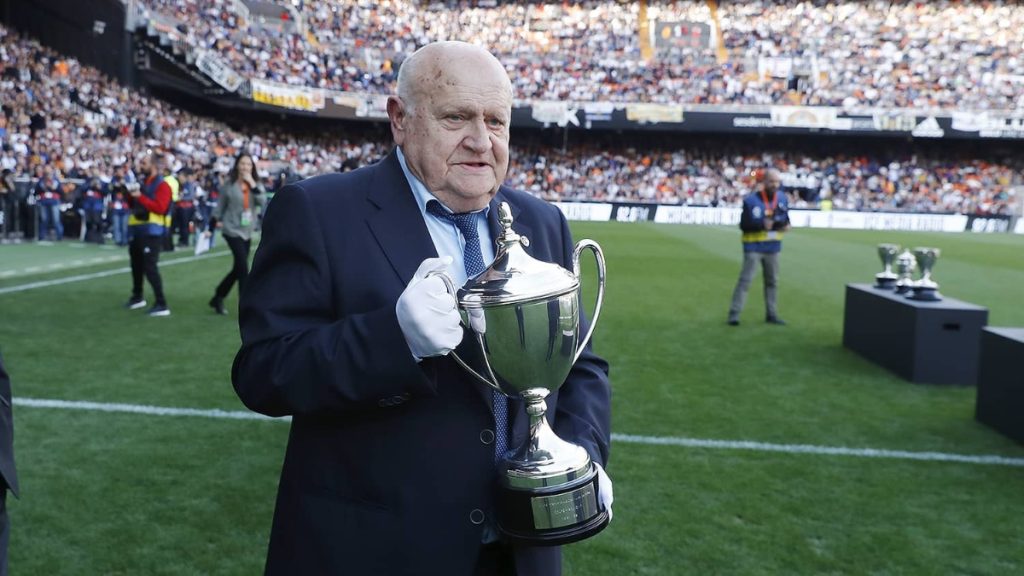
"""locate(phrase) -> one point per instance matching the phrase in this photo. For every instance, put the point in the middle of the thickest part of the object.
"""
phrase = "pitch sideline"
(103, 274)
(620, 438)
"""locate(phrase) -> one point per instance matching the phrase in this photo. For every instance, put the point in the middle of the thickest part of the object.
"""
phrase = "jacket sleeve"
(298, 354)
(583, 413)
(161, 201)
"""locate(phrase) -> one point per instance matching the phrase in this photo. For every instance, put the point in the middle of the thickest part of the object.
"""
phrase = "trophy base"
(927, 294)
(885, 282)
(902, 289)
(554, 515)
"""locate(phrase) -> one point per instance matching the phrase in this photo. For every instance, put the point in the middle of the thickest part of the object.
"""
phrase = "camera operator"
(765, 217)
(147, 225)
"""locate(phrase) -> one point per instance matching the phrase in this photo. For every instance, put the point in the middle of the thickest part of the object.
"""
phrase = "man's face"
(456, 139)
(145, 164)
(772, 181)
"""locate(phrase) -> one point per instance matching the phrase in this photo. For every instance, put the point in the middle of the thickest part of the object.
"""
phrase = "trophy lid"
(515, 276)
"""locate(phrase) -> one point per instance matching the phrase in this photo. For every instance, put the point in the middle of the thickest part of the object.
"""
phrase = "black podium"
(924, 342)
(1001, 381)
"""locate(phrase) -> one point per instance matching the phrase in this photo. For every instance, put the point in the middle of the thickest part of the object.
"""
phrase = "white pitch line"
(142, 409)
(105, 273)
(623, 438)
(822, 450)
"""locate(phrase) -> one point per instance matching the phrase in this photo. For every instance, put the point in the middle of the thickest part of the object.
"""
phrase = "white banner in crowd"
(697, 215)
(554, 112)
(218, 70)
(715, 216)
(878, 220)
(585, 211)
(804, 116)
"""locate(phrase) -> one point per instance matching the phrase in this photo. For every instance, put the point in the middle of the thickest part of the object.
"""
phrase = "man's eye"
(455, 117)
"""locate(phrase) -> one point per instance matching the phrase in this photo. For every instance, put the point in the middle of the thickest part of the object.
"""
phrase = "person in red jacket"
(147, 224)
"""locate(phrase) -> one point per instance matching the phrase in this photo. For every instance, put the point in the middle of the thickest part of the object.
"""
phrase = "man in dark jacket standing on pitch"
(7, 472)
(391, 461)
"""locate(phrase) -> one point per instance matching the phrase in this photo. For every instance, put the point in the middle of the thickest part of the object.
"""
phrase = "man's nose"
(478, 138)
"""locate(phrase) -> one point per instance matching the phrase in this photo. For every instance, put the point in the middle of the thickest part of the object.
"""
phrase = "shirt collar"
(419, 189)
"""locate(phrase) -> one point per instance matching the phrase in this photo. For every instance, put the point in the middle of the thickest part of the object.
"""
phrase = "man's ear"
(397, 117)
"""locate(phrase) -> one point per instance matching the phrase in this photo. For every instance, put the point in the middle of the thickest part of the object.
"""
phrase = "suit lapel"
(398, 225)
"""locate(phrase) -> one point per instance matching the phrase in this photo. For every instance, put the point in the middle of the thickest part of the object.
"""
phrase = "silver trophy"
(886, 279)
(523, 318)
(925, 288)
(905, 266)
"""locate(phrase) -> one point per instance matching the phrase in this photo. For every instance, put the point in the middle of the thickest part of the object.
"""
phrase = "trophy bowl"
(886, 279)
(905, 266)
(522, 318)
(925, 288)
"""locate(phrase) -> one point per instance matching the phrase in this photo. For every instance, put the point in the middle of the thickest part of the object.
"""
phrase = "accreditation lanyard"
(246, 214)
(769, 210)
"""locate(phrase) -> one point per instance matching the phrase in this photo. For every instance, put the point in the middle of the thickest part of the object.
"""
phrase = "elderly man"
(390, 465)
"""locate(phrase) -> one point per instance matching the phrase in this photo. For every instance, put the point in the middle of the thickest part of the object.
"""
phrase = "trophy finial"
(505, 217)
(508, 235)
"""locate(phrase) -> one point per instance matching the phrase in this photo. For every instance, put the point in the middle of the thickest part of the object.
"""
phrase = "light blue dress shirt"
(446, 236)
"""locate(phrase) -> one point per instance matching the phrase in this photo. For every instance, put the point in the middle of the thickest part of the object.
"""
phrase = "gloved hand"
(428, 314)
(604, 486)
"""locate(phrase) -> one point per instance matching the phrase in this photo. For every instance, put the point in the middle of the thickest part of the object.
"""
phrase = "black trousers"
(144, 252)
(239, 267)
(496, 559)
(182, 218)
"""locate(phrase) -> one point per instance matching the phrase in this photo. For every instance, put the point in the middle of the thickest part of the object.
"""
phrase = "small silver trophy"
(926, 289)
(886, 279)
(523, 318)
(905, 265)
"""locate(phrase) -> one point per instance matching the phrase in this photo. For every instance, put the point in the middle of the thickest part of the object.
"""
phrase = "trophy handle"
(451, 290)
(599, 256)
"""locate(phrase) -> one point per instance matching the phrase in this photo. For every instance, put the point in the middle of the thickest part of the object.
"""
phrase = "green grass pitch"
(116, 493)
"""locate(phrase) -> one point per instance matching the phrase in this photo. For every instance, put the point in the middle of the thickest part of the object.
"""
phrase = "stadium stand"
(899, 54)
(68, 119)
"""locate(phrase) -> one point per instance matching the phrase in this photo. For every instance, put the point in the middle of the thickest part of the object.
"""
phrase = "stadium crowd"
(935, 55)
(71, 132)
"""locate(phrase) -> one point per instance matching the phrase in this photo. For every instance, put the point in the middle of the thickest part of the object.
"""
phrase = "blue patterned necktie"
(474, 261)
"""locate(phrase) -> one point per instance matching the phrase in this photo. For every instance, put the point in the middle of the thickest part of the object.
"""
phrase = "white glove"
(427, 313)
(604, 486)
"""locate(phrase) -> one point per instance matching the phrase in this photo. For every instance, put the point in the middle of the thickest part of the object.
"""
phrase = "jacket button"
(487, 436)
(384, 402)
(476, 516)
(396, 400)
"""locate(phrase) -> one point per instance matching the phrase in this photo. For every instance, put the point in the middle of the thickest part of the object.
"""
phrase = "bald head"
(451, 120)
(429, 68)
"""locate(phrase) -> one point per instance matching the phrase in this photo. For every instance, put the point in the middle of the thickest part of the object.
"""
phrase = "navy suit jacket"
(386, 461)
(7, 471)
